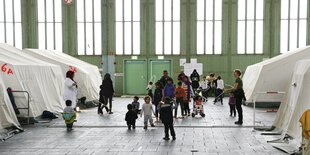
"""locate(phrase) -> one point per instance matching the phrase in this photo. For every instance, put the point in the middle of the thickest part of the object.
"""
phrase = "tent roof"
(272, 74)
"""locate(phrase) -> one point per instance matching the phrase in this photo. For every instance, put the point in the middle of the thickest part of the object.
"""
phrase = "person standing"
(239, 95)
(167, 118)
(70, 92)
(195, 80)
(107, 91)
(219, 90)
(158, 97)
(163, 80)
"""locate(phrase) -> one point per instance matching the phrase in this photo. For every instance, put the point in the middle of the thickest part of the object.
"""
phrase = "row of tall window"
(167, 26)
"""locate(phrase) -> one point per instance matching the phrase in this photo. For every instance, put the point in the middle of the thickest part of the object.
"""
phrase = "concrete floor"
(216, 134)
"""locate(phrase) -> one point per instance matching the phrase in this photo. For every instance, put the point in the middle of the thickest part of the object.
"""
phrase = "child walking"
(232, 104)
(69, 115)
(180, 95)
(147, 110)
(131, 117)
(158, 97)
(167, 118)
(136, 104)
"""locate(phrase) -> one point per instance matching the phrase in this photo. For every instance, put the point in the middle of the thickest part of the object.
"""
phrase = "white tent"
(7, 114)
(42, 80)
(272, 75)
(296, 102)
(87, 76)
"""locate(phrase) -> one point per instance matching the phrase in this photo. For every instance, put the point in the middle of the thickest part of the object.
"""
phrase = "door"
(157, 68)
(135, 77)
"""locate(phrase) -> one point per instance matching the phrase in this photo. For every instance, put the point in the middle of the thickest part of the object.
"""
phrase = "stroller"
(198, 106)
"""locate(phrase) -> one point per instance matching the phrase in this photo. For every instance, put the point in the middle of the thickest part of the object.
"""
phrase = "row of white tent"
(41, 73)
(289, 73)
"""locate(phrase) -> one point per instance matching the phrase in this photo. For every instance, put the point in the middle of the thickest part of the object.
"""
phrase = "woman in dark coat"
(106, 93)
(195, 79)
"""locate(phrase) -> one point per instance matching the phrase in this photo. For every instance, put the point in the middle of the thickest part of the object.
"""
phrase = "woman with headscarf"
(195, 79)
(107, 91)
(70, 91)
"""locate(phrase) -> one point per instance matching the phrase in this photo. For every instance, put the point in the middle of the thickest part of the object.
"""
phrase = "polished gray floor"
(107, 134)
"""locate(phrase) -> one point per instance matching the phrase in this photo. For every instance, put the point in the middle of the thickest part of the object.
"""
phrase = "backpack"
(48, 115)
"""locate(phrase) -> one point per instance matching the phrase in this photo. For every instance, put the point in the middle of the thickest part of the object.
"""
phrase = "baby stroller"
(203, 93)
(198, 106)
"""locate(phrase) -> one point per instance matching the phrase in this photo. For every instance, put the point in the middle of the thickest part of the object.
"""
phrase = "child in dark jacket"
(167, 118)
(158, 97)
(131, 117)
(169, 89)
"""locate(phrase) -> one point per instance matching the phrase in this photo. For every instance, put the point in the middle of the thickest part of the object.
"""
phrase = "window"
(167, 27)
(89, 27)
(10, 23)
(293, 24)
(50, 24)
(127, 27)
(250, 26)
(209, 26)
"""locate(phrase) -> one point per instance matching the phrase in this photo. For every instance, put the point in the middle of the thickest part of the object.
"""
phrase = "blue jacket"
(169, 90)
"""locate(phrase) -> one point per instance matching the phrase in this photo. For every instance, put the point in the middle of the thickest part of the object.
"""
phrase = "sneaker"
(110, 112)
(152, 125)
(166, 138)
(145, 127)
(189, 115)
(173, 138)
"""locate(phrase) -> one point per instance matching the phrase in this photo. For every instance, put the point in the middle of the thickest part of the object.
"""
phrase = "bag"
(48, 115)
(232, 100)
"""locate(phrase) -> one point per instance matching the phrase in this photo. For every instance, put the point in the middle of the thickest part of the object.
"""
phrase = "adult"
(211, 79)
(70, 92)
(164, 78)
(107, 91)
(239, 95)
(219, 89)
(195, 79)
(180, 76)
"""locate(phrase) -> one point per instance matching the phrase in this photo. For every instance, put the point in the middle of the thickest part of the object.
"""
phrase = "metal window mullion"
(45, 25)
(288, 25)
(172, 20)
(163, 37)
(54, 29)
(204, 27)
(213, 26)
(4, 21)
(93, 25)
(298, 19)
(246, 26)
(131, 23)
(85, 37)
(123, 24)
(254, 36)
(13, 13)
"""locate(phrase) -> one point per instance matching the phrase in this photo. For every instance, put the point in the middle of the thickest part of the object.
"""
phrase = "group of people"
(166, 98)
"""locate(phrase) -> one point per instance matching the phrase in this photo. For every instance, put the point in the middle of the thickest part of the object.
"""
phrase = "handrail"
(28, 100)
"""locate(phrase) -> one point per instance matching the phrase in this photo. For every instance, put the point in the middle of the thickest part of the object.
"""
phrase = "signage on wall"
(6, 69)
(68, 2)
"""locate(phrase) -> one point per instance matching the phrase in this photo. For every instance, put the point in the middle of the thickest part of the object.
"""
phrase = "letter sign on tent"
(6, 69)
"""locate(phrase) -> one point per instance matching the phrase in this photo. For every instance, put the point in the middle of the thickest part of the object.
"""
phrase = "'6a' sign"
(6, 69)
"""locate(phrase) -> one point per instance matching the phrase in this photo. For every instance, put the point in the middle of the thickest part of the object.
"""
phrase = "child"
(147, 110)
(131, 117)
(232, 104)
(69, 115)
(167, 118)
(136, 105)
(179, 94)
(149, 89)
(169, 89)
(158, 97)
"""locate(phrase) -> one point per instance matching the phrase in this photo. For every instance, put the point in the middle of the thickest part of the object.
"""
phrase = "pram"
(197, 92)
(198, 106)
